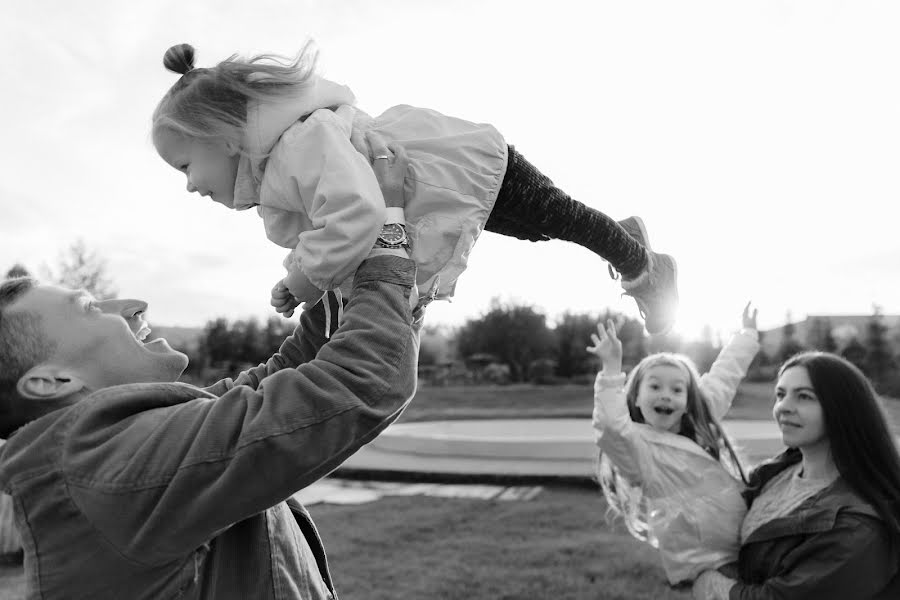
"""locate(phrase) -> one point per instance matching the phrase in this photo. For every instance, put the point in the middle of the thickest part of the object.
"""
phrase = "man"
(129, 485)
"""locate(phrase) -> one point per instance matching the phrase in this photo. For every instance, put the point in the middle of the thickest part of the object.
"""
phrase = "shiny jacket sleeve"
(160, 480)
(720, 384)
(854, 559)
(615, 433)
(314, 174)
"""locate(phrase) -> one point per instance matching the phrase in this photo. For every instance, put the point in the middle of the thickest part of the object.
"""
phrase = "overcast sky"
(760, 142)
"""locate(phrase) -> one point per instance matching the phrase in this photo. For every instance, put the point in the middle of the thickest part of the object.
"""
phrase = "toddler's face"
(210, 167)
(662, 397)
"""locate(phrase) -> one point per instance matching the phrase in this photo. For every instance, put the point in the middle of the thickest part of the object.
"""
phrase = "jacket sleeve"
(615, 432)
(854, 559)
(315, 169)
(158, 481)
(300, 347)
(720, 384)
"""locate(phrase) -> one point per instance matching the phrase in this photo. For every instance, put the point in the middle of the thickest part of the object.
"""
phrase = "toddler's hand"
(607, 346)
(748, 319)
(300, 287)
(283, 301)
(390, 165)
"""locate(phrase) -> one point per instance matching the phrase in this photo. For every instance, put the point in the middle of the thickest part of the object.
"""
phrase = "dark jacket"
(170, 491)
(834, 546)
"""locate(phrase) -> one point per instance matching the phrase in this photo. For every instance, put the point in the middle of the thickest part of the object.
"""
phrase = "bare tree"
(81, 268)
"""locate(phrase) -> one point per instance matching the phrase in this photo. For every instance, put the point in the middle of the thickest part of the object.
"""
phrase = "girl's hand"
(748, 319)
(283, 301)
(607, 346)
(390, 164)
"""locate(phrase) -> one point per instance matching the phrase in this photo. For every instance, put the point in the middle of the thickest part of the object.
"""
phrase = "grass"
(557, 545)
(753, 401)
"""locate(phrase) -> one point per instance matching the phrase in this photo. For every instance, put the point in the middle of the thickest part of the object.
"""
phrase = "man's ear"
(49, 382)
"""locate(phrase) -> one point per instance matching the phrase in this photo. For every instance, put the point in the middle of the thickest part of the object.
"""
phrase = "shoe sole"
(677, 295)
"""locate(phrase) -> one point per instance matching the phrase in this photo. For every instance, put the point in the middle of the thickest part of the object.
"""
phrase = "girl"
(666, 464)
(824, 518)
(269, 133)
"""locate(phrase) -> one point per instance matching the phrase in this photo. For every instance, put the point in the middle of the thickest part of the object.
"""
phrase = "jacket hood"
(267, 121)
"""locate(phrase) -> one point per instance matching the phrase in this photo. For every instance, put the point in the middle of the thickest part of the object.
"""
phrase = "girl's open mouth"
(663, 410)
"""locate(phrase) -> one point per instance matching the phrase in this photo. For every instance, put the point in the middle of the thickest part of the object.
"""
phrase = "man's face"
(101, 340)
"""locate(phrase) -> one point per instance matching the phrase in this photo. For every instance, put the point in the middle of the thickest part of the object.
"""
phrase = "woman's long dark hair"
(862, 444)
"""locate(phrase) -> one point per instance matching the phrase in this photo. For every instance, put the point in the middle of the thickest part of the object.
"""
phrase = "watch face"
(392, 233)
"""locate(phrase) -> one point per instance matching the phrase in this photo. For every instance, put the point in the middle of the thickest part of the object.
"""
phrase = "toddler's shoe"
(656, 289)
(634, 226)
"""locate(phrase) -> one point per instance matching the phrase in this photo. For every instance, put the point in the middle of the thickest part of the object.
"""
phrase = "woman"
(824, 517)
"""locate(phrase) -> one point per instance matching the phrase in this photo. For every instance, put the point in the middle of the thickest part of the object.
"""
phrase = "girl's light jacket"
(308, 172)
(695, 507)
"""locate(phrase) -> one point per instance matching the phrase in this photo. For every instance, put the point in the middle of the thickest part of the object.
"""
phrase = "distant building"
(843, 329)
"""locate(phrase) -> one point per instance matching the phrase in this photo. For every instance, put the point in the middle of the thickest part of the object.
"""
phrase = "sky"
(759, 141)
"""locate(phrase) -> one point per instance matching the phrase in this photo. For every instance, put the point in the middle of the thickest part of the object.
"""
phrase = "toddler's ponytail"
(179, 58)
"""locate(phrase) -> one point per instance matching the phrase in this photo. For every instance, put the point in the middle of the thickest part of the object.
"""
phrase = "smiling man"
(130, 485)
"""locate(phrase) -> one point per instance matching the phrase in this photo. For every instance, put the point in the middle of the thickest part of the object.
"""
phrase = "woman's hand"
(607, 346)
(748, 319)
(712, 585)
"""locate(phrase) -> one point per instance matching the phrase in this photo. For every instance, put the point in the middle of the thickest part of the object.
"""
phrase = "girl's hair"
(861, 442)
(697, 424)
(211, 104)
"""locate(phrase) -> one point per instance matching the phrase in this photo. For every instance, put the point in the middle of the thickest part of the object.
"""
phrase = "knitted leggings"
(530, 207)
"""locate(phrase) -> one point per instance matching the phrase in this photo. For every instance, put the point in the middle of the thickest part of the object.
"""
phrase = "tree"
(855, 352)
(216, 342)
(789, 346)
(516, 334)
(573, 336)
(80, 268)
(879, 362)
(17, 270)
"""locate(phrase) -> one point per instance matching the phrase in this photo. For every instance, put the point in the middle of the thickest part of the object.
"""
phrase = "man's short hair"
(23, 344)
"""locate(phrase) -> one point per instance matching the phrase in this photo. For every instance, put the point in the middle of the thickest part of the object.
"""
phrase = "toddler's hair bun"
(179, 58)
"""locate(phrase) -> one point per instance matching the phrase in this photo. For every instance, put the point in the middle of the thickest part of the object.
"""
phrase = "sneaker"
(634, 226)
(656, 292)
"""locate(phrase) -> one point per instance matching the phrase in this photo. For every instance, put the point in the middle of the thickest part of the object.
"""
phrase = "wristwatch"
(393, 236)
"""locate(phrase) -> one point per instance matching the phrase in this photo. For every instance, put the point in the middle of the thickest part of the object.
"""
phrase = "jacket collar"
(673, 440)
(816, 514)
(267, 121)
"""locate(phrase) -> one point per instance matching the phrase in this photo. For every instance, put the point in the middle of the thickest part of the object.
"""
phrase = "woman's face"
(797, 410)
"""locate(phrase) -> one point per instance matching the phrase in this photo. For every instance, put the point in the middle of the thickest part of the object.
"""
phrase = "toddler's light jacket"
(309, 174)
(695, 507)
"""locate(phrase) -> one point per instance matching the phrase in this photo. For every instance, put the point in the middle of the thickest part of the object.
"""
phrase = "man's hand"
(608, 347)
(748, 319)
(390, 165)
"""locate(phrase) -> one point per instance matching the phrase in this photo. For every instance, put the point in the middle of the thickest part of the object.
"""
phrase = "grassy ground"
(754, 401)
(557, 545)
